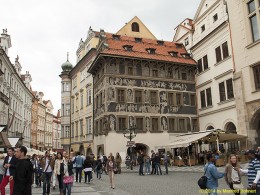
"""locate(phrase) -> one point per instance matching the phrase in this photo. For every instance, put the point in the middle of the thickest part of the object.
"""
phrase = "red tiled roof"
(115, 47)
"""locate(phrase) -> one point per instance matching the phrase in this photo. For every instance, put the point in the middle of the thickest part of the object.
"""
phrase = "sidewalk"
(196, 168)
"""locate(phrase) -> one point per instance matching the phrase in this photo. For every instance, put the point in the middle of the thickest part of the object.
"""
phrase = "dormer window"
(185, 55)
(178, 45)
(203, 28)
(138, 40)
(151, 50)
(160, 42)
(128, 47)
(173, 53)
(135, 27)
(116, 37)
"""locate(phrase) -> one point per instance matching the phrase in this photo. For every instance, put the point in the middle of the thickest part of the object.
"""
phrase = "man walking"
(253, 173)
(118, 162)
(47, 165)
(79, 166)
(165, 160)
(212, 174)
(9, 165)
(153, 163)
(157, 161)
(23, 173)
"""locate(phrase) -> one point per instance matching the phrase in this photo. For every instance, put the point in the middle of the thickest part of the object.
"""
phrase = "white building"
(17, 88)
(212, 49)
(244, 17)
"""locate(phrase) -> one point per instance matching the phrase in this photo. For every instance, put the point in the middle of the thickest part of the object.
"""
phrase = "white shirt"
(7, 171)
(234, 175)
(46, 165)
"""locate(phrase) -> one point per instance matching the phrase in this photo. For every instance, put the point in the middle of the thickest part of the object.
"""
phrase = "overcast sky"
(42, 32)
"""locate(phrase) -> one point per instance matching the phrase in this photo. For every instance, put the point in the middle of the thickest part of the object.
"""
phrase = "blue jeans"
(99, 173)
(157, 168)
(147, 168)
(67, 187)
(78, 174)
(47, 182)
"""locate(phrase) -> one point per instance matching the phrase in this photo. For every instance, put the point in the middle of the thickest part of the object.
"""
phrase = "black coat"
(23, 177)
(13, 164)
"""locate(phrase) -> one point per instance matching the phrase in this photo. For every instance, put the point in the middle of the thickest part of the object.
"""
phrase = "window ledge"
(208, 107)
(223, 60)
(253, 44)
(257, 90)
(226, 101)
(203, 71)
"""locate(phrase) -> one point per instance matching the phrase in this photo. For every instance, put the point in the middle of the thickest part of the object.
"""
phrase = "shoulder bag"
(202, 182)
(43, 176)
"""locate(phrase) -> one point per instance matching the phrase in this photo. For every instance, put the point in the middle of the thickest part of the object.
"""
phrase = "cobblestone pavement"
(130, 183)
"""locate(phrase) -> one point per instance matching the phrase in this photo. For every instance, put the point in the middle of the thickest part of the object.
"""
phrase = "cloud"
(43, 32)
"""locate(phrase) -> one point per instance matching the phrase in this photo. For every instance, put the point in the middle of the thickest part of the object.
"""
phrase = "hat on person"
(250, 152)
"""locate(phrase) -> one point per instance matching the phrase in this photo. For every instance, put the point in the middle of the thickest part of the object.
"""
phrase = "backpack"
(202, 182)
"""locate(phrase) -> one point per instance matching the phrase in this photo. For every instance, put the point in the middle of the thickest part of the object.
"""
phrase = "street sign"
(130, 143)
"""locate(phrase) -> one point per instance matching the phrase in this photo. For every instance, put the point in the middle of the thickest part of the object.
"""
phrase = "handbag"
(43, 176)
(238, 186)
(115, 171)
(202, 182)
(68, 179)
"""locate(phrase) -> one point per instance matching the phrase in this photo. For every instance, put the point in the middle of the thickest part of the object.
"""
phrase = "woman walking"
(2, 169)
(233, 177)
(111, 165)
(68, 176)
(88, 163)
(59, 170)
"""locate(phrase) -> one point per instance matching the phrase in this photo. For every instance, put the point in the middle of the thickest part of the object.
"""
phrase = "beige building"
(244, 18)
(48, 124)
(77, 98)
(56, 133)
(34, 123)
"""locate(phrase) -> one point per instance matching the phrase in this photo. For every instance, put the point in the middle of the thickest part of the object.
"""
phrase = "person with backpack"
(79, 161)
(23, 174)
(59, 170)
(212, 174)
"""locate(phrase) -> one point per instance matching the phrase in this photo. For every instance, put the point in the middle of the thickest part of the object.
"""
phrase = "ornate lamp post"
(130, 133)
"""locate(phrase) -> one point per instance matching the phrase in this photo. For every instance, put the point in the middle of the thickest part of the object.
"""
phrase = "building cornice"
(204, 83)
(223, 74)
(218, 110)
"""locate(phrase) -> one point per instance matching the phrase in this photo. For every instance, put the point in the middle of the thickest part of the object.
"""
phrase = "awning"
(13, 141)
(210, 135)
(187, 139)
(1, 129)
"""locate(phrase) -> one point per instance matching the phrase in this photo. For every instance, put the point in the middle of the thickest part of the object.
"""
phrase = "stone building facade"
(143, 83)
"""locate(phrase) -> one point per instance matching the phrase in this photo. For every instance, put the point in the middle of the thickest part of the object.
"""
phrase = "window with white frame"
(221, 52)
(206, 98)
(254, 18)
(67, 131)
(88, 96)
(256, 71)
(81, 100)
(186, 41)
(203, 64)
(88, 125)
(226, 90)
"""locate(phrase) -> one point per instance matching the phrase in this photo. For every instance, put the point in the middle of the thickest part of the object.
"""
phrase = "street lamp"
(130, 133)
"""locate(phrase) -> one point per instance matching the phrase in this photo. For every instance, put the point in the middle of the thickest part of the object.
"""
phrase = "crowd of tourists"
(23, 172)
